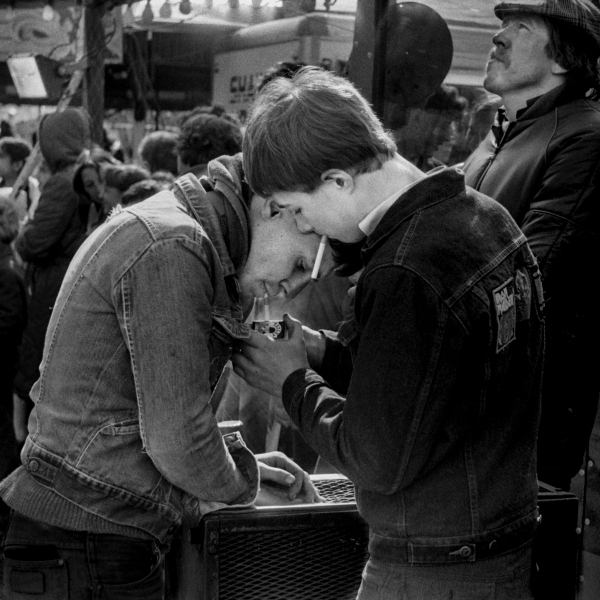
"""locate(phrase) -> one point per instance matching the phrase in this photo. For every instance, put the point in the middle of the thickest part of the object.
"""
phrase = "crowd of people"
(447, 371)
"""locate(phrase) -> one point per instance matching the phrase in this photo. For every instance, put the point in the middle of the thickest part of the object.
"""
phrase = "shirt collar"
(370, 222)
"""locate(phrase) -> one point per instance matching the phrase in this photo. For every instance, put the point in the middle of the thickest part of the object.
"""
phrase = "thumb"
(293, 326)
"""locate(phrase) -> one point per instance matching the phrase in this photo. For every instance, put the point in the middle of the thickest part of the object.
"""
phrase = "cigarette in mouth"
(320, 251)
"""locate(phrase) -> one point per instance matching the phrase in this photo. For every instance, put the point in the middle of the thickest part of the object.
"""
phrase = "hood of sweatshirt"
(224, 215)
(63, 136)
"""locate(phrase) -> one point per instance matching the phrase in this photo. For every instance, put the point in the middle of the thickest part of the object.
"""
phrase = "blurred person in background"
(48, 242)
(202, 138)
(158, 151)
(89, 184)
(140, 191)
(430, 128)
(13, 155)
(165, 178)
(117, 180)
(13, 316)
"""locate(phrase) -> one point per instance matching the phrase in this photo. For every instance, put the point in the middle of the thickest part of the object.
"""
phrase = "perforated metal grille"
(313, 564)
(335, 490)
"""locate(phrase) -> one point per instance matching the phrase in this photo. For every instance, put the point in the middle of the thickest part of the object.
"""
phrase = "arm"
(561, 222)
(170, 287)
(52, 217)
(399, 390)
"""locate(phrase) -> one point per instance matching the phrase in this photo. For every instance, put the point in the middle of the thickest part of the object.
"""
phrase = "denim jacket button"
(33, 465)
(465, 551)
(492, 544)
(194, 503)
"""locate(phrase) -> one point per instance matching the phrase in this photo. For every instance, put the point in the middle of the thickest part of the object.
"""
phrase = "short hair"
(301, 127)
(9, 221)
(124, 176)
(576, 51)
(15, 148)
(281, 69)
(204, 137)
(140, 191)
(159, 151)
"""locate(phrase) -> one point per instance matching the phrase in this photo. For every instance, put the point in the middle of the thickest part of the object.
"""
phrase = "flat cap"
(579, 13)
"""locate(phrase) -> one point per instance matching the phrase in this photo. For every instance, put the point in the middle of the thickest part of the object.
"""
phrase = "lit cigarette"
(266, 314)
(320, 251)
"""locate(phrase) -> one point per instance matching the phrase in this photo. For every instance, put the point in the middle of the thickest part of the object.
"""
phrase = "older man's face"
(281, 257)
(519, 61)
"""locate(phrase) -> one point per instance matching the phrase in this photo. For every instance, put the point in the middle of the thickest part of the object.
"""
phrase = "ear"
(262, 206)
(558, 70)
(342, 180)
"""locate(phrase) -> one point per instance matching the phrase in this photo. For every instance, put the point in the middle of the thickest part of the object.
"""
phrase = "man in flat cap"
(541, 160)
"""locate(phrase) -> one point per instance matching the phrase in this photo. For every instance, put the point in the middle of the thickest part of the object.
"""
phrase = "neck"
(517, 100)
(394, 175)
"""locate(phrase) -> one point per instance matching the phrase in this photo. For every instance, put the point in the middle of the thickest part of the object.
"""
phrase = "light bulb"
(165, 10)
(147, 14)
(128, 18)
(48, 13)
(185, 7)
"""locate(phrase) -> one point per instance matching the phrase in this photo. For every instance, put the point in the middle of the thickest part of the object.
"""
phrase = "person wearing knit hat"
(541, 161)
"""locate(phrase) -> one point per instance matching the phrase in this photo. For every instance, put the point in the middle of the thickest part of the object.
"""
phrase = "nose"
(500, 38)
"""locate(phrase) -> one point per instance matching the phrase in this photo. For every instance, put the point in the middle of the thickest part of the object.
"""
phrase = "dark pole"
(366, 68)
(93, 91)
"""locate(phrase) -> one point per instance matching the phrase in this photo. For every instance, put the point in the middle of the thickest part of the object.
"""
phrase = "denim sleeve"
(165, 316)
(383, 433)
(52, 217)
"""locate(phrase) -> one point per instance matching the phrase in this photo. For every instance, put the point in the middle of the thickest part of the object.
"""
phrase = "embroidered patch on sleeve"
(506, 314)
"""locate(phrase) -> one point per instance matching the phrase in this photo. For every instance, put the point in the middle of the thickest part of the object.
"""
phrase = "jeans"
(507, 577)
(50, 563)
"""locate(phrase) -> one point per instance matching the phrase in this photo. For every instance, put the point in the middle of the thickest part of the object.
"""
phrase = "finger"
(294, 327)
(256, 340)
(276, 475)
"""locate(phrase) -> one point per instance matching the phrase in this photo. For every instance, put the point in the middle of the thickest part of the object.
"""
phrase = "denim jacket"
(123, 437)
(439, 423)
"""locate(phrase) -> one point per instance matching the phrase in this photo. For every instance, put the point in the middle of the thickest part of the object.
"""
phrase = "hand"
(314, 342)
(265, 363)
(286, 477)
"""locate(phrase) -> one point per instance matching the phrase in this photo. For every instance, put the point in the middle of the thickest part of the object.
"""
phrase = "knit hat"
(579, 13)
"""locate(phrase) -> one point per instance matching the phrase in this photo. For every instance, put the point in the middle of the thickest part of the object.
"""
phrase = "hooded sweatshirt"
(49, 241)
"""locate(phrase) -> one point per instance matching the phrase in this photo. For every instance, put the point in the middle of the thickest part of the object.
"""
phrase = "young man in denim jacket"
(440, 365)
(122, 441)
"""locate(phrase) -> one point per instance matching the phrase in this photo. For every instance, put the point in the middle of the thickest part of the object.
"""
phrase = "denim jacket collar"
(438, 185)
(224, 215)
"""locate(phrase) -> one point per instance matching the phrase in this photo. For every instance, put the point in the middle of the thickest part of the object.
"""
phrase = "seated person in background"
(202, 138)
(428, 128)
(13, 154)
(140, 191)
(117, 180)
(158, 151)
(123, 446)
